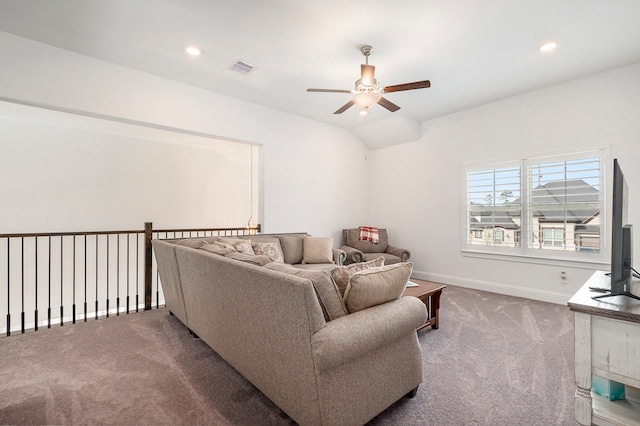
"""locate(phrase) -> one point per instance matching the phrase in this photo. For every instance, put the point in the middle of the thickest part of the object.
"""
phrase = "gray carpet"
(496, 360)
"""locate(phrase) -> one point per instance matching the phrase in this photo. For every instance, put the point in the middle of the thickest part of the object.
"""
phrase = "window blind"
(564, 200)
(494, 207)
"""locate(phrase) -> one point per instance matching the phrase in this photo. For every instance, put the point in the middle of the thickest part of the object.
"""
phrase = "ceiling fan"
(367, 92)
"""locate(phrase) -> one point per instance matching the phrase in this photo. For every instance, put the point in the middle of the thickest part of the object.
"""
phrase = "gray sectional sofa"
(319, 363)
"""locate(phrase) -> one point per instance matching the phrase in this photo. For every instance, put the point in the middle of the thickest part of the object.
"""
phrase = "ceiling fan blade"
(329, 90)
(345, 107)
(408, 86)
(366, 74)
(388, 105)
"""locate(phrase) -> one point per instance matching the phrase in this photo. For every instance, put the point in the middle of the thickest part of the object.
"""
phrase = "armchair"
(362, 251)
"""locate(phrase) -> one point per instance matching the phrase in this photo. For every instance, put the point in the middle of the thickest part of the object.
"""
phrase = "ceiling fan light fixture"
(366, 99)
(367, 85)
(368, 92)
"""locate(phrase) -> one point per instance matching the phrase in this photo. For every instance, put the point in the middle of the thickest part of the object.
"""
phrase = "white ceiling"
(472, 51)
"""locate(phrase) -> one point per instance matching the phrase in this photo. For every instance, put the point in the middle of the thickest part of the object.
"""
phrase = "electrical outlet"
(563, 278)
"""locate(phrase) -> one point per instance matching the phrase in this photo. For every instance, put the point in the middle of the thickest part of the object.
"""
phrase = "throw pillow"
(271, 250)
(342, 274)
(326, 290)
(375, 286)
(292, 248)
(317, 250)
(241, 245)
(249, 258)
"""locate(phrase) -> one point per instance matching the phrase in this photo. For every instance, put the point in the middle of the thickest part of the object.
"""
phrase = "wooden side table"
(429, 293)
(607, 344)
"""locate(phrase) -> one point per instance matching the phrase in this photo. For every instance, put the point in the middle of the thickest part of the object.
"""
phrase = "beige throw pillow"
(292, 248)
(241, 246)
(342, 274)
(317, 250)
(326, 290)
(375, 286)
(271, 250)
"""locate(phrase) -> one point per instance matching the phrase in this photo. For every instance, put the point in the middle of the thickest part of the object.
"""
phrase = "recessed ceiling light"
(193, 50)
(548, 46)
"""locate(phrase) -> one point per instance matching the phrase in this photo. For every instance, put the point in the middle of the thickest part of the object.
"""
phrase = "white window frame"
(525, 235)
(554, 238)
(497, 166)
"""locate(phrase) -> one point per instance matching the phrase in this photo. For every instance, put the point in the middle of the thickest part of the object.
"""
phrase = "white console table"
(607, 345)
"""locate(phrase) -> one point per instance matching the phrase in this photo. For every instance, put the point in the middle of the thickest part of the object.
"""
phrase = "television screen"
(620, 246)
(621, 239)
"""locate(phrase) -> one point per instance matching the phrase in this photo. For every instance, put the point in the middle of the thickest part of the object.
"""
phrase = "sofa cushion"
(326, 290)
(270, 249)
(375, 286)
(342, 274)
(192, 242)
(315, 266)
(241, 245)
(224, 246)
(218, 249)
(211, 240)
(249, 258)
(317, 250)
(292, 248)
(353, 240)
(389, 259)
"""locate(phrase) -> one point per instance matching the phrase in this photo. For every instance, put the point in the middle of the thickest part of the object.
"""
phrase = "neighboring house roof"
(574, 192)
(490, 219)
(588, 229)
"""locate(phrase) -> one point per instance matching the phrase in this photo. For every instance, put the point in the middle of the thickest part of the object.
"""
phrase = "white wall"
(418, 198)
(64, 172)
(314, 178)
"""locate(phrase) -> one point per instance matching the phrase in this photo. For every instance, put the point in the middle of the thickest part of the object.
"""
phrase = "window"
(553, 237)
(544, 206)
(493, 205)
(564, 203)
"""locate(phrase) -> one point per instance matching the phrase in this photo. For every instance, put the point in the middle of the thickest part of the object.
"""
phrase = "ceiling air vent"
(243, 67)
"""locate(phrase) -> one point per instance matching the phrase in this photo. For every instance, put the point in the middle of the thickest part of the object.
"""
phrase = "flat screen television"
(621, 240)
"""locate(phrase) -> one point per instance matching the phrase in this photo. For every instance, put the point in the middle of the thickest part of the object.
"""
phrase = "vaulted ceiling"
(473, 51)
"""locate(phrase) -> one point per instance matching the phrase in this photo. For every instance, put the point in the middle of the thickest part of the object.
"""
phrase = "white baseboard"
(528, 293)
